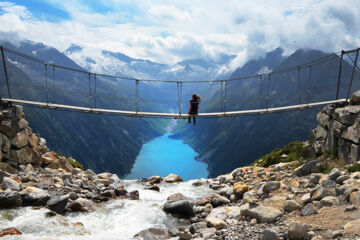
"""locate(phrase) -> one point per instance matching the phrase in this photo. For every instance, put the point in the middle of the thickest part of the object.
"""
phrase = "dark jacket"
(194, 106)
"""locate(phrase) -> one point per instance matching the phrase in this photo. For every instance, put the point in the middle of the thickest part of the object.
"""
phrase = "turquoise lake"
(164, 155)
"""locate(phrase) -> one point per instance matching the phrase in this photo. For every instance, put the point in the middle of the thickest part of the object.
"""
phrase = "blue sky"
(170, 31)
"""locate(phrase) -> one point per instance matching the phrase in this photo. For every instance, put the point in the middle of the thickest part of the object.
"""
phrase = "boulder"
(6, 143)
(81, 205)
(9, 183)
(352, 228)
(195, 227)
(134, 195)
(215, 200)
(334, 174)
(291, 205)
(154, 188)
(10, 199)
(297, 231)
(57, 204)
(271, 234)
(171, 178)
(328, 183)
(319, 193)
(22, 156)
(239, 189)
(329, 201)
(7, 168)
(154, 234)
(355, 98)
(309, 209)
(344, 115)
(177, 197)
(271, 186)
(207, 233)
(22, 123)
(154, 179)
(352, 133)
(323, 119)
(215, 222)
(355, 198)
(183, 208)
(313, 166)
(9, 231)
(9, 127)
(261, 213)
(20, 139)
(33, 196)
(4, 174)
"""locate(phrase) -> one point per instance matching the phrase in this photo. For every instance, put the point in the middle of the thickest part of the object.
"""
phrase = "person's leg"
(194, 120)
(189, 119)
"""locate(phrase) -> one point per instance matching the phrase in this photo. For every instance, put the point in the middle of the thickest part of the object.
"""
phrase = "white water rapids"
(116, 219)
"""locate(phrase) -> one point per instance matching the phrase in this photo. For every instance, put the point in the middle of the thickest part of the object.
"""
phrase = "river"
(164, 155)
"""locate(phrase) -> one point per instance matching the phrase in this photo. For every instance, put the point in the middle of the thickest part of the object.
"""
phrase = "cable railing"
(62, 86)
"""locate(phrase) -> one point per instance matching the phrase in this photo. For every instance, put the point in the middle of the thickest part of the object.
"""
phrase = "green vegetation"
(75, 164)
(354, 168)
(293, 151)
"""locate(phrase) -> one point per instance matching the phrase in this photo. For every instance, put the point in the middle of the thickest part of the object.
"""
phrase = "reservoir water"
(164, 155)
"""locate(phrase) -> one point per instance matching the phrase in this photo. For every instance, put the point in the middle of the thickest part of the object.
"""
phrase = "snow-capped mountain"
(116, 63)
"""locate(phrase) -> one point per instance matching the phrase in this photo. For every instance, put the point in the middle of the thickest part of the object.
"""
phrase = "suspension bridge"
(85, 85)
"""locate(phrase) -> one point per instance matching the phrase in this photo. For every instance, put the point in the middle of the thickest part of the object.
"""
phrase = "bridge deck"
(173, 115)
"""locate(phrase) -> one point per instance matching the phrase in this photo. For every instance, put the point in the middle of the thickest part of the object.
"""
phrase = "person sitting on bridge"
(194, 107)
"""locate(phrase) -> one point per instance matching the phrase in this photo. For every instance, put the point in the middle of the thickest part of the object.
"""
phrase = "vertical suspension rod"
(352, 75)
(221, 95)
(299, 80)
(46, 85)
(5, 71)
(339, 77)
(225, 95)
(137, 96)
(53, 85)
(95, 90)
(180, 97)
(260, 91)
(268, 92)
(89, 75)
(309, 84)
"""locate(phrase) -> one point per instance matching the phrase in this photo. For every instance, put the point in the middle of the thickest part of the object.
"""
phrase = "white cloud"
(169, 31)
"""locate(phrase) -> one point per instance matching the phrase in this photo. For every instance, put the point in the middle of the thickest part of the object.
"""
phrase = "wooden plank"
(173, 115)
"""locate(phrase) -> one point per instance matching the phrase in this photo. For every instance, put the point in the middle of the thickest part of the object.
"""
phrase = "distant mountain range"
(117, 63)
(227, 143)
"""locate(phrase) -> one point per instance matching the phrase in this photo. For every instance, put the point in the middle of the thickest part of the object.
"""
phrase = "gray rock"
(6, 144)
(350, 208)
(308, 168)
(10, 200)
(271, 186)
(355, 153)
(9, 127)
(314, 178)
(309, 209)
(154, 234)
(22, 123)
(22, 156)
(334, 174)
(273, 233)
(57, 204)
(323, 119)
(342, 179)
(297, 231)
(261, 213)
(344, 116)
(3, 174)
(207, 233)
(319, 193)
(9, 183)
(73, 196)
(195, 227)
(329, 201)
(291, 205)
(320, 133)
(328, 183)
(20, 139)
(33, 196)
(134, 195)
(81, 205)
(355, 98)
(183, 208)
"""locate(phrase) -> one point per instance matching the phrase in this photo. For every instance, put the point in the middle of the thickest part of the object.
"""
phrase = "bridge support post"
(46, 84)
(352, 74)
(137, 96)
(179, 90)
(339, 77)
(5, 71)
(90, 91)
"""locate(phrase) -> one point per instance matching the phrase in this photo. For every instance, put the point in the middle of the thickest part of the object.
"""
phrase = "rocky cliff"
(338, 131)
